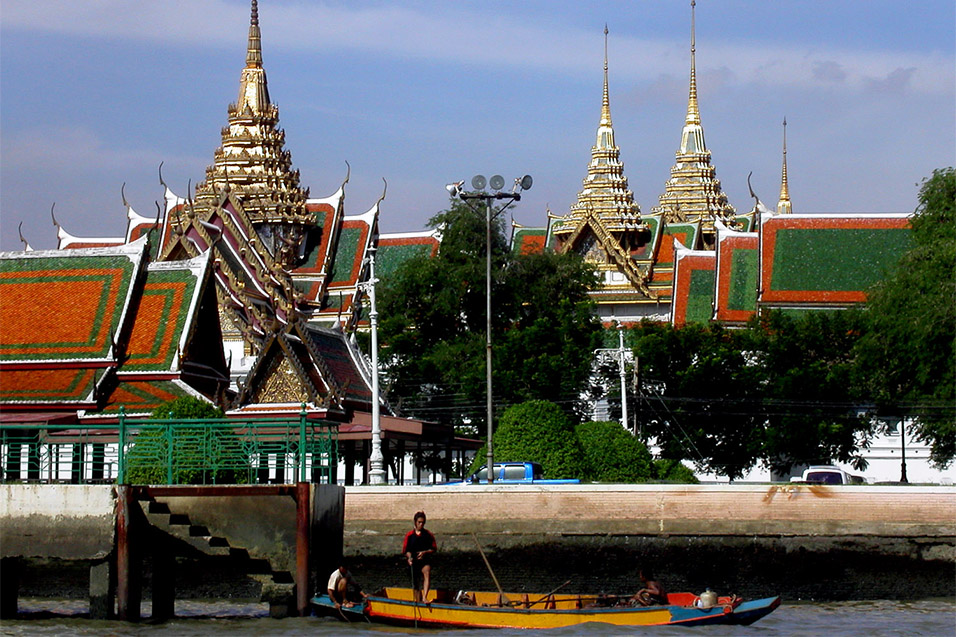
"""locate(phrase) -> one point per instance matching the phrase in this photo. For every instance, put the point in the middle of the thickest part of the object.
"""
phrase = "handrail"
(171, 451)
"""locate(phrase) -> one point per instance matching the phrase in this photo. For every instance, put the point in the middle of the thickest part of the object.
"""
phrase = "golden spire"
(606, 102)
(252, 162)
(254, 52)
(693, 113)
(253, 87)
(783, 206)
(693, 192)
(605, 193)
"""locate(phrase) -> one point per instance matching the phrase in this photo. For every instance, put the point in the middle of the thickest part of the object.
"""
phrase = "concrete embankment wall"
(819, 542)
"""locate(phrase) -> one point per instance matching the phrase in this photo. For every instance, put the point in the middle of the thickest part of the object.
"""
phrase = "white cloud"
(455, 33)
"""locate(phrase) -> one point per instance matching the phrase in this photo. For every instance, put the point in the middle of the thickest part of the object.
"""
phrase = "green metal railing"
(171, 451)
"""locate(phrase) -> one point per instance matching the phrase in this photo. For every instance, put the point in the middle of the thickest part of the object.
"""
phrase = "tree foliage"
(537, 431)
(433, 324)
(779, 392)
(612, 454)
(908, 353)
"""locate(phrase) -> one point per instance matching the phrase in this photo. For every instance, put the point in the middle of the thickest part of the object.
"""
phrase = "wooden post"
(164, 581)
(128, 591)
(303, 518)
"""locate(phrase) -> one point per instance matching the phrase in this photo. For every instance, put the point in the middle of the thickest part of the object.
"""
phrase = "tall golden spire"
(605, 193)
(606, 101)
(783, 206)
(693, 192)
(252, 162)
(693, 112)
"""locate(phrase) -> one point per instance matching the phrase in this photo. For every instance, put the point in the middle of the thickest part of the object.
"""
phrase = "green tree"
(698, 385)
(433, 323)
(811, 398)
(196, 449)
(537, 431)
(612, 454)
(781, 392)
(908, 352)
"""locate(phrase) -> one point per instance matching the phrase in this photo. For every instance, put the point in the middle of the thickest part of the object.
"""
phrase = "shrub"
(669, 470)
(611, 454)
(537, 431)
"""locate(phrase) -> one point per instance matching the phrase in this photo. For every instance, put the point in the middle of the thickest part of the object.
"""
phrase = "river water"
(207, 619)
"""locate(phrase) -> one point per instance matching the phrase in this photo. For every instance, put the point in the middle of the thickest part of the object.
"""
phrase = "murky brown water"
(869, 618)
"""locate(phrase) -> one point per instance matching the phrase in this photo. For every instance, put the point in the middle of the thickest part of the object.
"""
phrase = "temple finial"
(693, 114)
(783, 206)
(606, 101)
(254, 51)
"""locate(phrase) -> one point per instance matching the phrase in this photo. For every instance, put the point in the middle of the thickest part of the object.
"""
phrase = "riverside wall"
(800, 541)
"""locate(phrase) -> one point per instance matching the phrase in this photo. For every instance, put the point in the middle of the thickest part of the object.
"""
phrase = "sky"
(95, 94)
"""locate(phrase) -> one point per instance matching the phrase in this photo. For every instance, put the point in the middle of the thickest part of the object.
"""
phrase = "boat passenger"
(343, 589)
(418, 547)
(652, 594)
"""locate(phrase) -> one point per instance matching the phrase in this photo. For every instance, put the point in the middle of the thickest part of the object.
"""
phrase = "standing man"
(418, 547)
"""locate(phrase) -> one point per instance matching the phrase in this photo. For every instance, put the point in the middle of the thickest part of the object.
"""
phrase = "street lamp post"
(376, 474)
(497, 182)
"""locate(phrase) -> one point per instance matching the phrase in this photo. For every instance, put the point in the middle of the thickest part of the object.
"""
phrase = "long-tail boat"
(482, 609)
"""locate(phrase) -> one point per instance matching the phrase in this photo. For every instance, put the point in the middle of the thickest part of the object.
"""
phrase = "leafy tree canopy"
(779, 392)
(908, 353)
(433, 322)
(537, 431)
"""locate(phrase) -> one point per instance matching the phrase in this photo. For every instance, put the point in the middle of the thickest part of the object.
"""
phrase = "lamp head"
(454, 189)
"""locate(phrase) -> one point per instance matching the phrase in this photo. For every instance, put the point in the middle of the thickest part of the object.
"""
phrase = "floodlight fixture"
(478, 182)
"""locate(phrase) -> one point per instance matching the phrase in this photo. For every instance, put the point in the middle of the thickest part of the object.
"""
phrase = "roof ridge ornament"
(783, 205)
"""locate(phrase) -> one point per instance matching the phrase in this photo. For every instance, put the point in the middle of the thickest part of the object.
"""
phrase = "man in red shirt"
(418, 547)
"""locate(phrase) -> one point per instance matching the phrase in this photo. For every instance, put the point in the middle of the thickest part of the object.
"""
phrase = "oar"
(504, 599)
(411, 569)
(549, 594)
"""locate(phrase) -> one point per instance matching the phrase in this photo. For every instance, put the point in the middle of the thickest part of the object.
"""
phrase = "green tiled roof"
(346, 255)
(700, 298)
(743, 280)
(837, 259)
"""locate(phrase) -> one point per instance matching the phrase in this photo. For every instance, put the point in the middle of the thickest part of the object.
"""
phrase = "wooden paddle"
(501, 595)
(549, 594)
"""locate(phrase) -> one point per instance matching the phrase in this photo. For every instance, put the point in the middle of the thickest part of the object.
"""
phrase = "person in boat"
(652, 594)
(343, 589)
(418, 548)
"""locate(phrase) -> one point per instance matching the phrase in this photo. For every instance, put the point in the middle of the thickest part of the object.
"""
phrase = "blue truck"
(515, 473)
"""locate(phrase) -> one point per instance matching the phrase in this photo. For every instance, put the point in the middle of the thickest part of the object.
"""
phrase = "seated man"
(343, 589)
(653, 594)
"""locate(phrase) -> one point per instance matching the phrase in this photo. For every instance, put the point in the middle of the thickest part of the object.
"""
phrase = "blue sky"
(96, 93)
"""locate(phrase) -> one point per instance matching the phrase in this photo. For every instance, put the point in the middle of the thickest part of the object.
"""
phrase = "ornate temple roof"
(605, 195)
(132, 333)
(693, 191)
(252, 161)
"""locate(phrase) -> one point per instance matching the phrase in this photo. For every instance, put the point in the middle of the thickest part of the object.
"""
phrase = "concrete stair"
(276, 587)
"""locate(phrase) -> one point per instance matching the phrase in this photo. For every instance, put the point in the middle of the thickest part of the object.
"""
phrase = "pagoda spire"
(693, 192)
(605, 194)
(252, 162)
(253, 87)
(693, 111)
(783, 206)
(606, 101)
